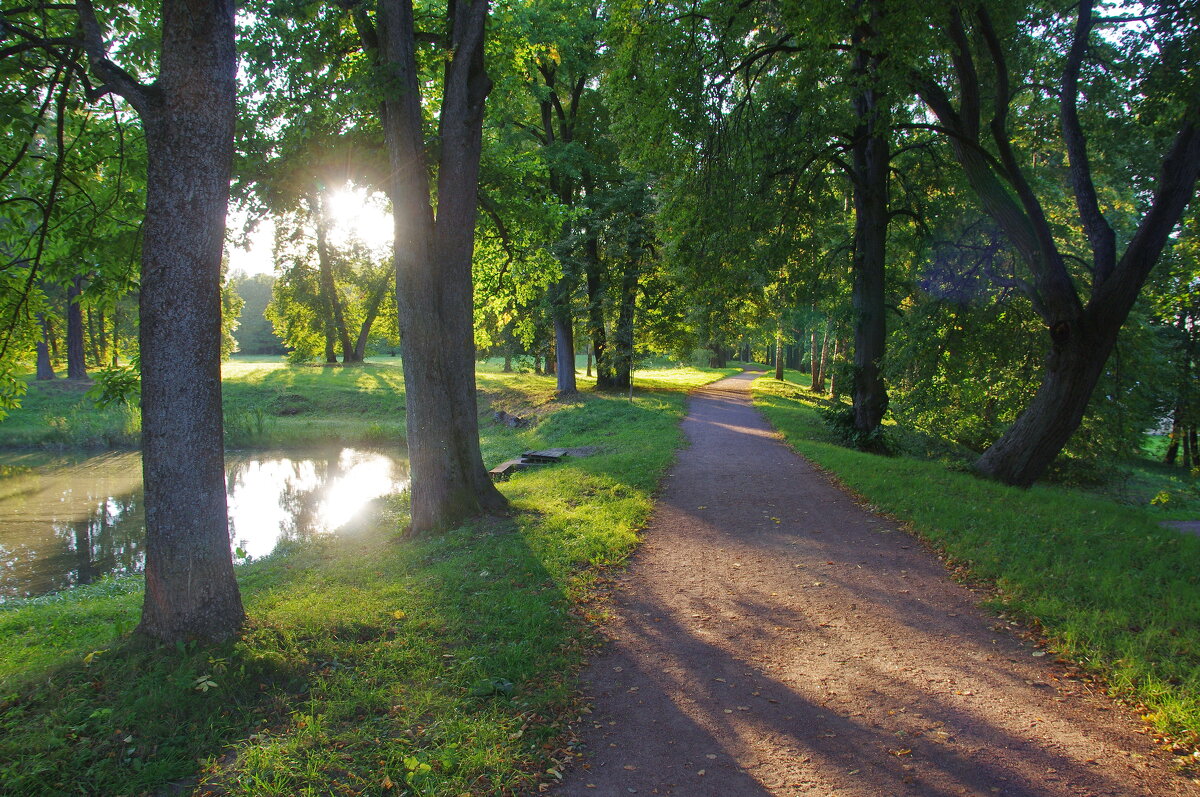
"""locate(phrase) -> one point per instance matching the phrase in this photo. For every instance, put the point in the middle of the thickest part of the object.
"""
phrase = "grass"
(371, 664)
(1109, 588)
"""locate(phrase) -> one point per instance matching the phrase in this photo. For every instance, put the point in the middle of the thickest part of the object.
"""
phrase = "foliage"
(117, 385)
(254, 333)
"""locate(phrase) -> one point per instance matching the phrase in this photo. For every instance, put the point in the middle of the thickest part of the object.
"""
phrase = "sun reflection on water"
(70, 521)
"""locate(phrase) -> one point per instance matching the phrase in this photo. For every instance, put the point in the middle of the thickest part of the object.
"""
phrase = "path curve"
(772, 637)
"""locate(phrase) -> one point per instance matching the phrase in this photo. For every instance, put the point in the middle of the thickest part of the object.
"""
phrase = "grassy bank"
(371, 664)
(1108, 587)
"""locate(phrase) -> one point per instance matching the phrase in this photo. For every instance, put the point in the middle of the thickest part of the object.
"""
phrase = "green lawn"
(438, 666)
(1112, 590)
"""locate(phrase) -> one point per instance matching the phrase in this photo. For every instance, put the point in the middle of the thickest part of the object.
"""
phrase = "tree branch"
(143, 98)
(1099, 232)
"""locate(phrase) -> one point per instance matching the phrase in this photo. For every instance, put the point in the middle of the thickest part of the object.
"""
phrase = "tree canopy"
(973, 217)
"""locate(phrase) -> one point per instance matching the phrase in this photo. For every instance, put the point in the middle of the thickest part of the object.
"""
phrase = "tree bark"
(1081, 336)
(623, 331)
(188, 116)
(433, 261)
(869, 162)
(564, 338)
(76, 365)
(1073, 367)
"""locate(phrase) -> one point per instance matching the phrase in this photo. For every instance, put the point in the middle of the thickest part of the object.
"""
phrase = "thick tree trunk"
(1073, 367)
(188, 117)
(433, 262)
(507, 363)
(76, 366)
(719, 358)
(564, 338)
(870, 157)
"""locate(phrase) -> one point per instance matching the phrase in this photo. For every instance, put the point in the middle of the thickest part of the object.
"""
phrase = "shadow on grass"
(442, 662)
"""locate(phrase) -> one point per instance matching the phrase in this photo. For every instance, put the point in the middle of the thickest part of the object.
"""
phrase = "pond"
(66, 521)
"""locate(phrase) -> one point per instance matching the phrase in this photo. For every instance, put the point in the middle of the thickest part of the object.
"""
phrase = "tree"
(1082, 312)
(187, 115)
(433, 247)
(254, 334)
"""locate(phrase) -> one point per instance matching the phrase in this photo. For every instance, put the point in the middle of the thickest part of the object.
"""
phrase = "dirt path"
(772, 637)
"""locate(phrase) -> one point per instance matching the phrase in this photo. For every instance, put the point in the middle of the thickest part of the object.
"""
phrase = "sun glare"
(360, 215)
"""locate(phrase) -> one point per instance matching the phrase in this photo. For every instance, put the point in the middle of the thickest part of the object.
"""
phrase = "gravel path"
(772, 637)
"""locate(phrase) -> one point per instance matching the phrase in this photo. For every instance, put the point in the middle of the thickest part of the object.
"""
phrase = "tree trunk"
(626, 315)
(102, 342)
(116, 326)
(835, 380)
(188, 116)
(93, 337)
(589, 360)
(433, 261)
(718, 359)
(1073, 367)
(335, 318)
(816, 379)
(1176, 432)
(45, 370)
(52, 339)
(76, 367)
(372, 311)
(825, 356)
(779, 350)
(507, 363)
(595, 313)
(564, 338)
(869, 158)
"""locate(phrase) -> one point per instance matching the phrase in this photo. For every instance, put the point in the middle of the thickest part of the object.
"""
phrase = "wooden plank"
(545, 455)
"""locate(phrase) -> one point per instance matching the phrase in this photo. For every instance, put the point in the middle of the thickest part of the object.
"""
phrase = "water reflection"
(65, 522)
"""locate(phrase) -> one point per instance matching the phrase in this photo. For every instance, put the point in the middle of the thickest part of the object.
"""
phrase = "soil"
(773, 637)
